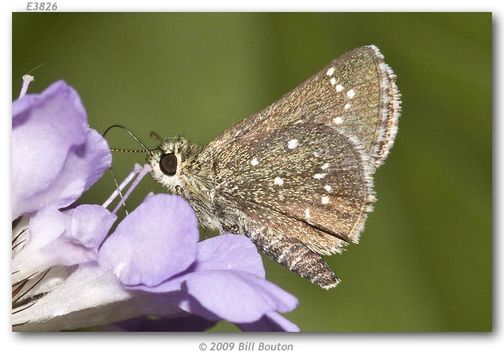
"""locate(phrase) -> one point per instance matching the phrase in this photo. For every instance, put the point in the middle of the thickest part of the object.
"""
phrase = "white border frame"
(344, 346)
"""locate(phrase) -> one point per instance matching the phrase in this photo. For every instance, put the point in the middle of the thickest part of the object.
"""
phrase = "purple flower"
(154, 255)
(55, 155)
(69, 273)
(55, 158)
(220, 278)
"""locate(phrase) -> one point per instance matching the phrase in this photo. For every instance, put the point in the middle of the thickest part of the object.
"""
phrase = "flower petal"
(89, 225)
(90, 296)
(62, 238)
(50, 133)
(45, 227)
(237, 296)
(84, 165)
(225, 252)
(270, 322)
(229, 252)
(154, 242)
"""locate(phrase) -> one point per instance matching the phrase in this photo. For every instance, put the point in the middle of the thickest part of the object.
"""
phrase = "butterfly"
(297, 177)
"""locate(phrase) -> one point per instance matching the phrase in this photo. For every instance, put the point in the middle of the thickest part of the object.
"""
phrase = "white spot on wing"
(350, 93)
(339, 88)
(330, 72)
(292, 143)
(254, 162)
(332, 81)
(307, 214)
(347, 106)
(328, 188)
(324, 199)
(316, 154)
(325, 166)
(319, 176)
(338, 120)
(278, 181)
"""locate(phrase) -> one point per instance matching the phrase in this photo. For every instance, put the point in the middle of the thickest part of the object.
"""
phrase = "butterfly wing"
(355, 93)
(300, 171)
(310, 173)
(302, 191)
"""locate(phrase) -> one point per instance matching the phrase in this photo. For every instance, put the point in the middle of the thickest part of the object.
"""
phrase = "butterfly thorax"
(177, 165)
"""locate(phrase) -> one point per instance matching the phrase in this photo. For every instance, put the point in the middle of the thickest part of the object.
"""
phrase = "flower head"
(70, 271)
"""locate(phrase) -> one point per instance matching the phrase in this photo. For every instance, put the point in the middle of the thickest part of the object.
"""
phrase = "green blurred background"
(425, 259)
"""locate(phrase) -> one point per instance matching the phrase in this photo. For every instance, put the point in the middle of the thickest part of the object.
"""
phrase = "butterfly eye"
(168, 164)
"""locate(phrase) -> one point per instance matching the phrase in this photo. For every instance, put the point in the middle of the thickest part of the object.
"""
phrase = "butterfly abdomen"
(299, 259)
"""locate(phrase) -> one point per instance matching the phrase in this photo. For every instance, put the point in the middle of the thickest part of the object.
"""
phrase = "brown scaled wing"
(300, 171)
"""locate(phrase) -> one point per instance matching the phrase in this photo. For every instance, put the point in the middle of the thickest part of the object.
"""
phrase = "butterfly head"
(171, 162)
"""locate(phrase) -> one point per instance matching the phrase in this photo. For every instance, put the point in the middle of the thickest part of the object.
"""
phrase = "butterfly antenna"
(116, 183)
(128, 150)
(145, 148)
(36, 67)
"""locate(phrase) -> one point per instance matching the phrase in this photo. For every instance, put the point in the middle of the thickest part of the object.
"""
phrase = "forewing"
(356, 94)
